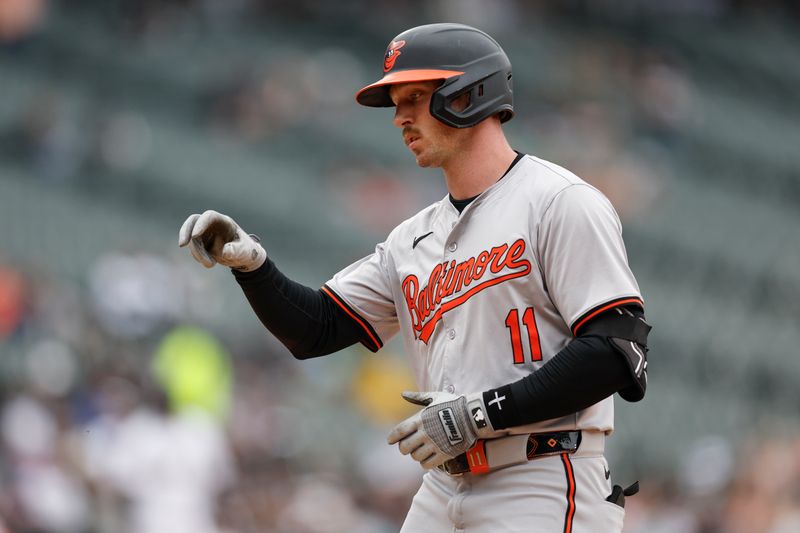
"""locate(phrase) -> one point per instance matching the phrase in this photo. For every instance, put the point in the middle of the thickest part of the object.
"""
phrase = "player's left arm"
(608, 356)
(587, 274)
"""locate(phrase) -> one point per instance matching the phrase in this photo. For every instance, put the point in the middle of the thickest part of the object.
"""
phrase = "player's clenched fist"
(443, 430)
(215, 238)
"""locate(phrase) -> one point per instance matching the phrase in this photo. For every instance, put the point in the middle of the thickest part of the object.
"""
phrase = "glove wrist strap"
(481, 424)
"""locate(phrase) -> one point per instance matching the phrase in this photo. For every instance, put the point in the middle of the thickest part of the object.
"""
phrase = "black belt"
(538, 445)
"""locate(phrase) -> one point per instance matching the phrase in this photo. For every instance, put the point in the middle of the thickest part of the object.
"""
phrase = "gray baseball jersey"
(485, 297)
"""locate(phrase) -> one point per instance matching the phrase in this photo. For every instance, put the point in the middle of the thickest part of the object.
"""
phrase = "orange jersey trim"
(373, 336)
(571, 487)
(606, 307)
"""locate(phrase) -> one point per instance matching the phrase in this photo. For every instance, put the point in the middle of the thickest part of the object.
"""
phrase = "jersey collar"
(460, 205)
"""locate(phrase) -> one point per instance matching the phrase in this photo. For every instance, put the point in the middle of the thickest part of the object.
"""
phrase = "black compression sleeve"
(305, 320)
(586, 371)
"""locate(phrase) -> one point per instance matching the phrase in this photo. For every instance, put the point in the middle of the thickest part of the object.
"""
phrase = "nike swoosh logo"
(416, 241)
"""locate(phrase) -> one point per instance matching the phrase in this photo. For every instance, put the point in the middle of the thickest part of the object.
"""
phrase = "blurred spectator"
(18, 18)
(51, 368)
(134, 293)
(12, 301)
(194, 371)
(47, 493)
(171, 467)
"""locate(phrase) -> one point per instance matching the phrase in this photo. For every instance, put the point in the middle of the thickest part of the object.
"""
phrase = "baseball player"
(513, 295)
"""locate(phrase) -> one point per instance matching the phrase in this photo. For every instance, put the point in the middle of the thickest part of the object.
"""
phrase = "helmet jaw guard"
(465, 59)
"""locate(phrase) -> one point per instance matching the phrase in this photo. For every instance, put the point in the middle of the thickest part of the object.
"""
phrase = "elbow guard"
(626, 331)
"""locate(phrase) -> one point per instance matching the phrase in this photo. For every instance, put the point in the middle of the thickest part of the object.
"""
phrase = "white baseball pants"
(554, 494)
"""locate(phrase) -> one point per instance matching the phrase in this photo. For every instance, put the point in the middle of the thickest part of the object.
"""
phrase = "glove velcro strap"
(448, 427)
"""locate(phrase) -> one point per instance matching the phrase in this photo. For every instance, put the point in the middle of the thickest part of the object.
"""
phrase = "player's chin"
(425, 160)
(423, 163)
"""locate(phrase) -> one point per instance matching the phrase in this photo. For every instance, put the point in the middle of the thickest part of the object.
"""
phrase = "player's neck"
(483, 160)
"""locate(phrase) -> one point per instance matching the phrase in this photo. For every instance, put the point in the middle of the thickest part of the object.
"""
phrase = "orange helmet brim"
(377, 94)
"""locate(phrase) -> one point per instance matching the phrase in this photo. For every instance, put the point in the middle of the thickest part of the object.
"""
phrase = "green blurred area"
(119, 119)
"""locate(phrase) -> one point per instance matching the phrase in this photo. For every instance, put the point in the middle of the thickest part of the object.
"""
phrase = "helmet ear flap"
(488, 95)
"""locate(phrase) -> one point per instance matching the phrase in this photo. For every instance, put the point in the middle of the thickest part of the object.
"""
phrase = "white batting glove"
(215, 238)
(447, 427)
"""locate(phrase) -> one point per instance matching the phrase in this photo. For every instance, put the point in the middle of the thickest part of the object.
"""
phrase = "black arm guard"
(627, 332)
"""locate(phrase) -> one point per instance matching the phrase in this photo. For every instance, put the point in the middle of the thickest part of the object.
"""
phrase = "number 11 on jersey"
(529, 321)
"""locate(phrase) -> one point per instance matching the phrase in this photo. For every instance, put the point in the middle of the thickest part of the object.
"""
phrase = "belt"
(492, 454)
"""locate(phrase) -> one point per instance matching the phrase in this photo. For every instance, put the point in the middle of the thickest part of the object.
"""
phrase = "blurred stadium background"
(139, 394)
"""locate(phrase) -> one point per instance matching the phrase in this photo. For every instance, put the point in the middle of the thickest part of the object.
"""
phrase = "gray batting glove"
(215, 238)
(447, 427)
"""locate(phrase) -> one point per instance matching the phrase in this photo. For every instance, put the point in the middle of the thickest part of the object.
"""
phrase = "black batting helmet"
(466, 59)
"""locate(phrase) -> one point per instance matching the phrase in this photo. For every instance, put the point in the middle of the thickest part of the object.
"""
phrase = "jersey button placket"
(449, 332)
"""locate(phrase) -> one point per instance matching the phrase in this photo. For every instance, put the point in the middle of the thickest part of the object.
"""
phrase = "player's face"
(432, 142)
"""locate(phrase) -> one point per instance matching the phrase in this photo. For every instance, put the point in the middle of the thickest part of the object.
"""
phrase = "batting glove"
(447, 427)
(215, 238)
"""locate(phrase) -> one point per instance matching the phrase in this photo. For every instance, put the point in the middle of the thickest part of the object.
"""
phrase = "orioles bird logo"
(392, 54)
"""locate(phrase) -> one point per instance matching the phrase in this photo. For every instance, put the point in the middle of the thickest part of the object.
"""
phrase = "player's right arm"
(308, 322)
